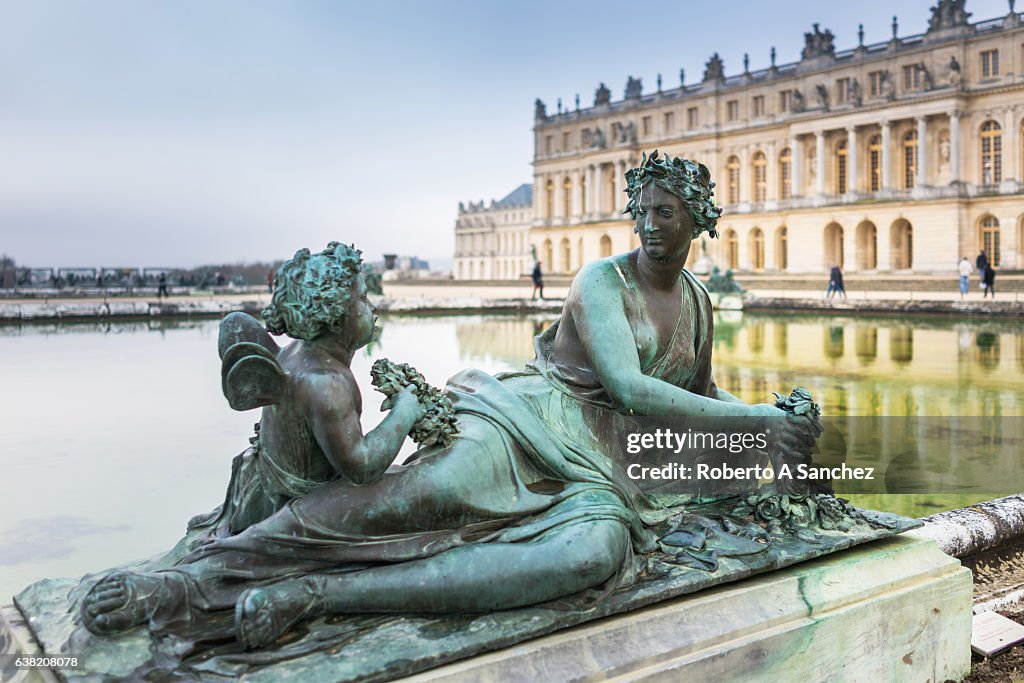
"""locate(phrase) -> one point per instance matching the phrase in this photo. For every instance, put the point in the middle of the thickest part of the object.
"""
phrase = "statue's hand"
(795, 432)
(408, 403)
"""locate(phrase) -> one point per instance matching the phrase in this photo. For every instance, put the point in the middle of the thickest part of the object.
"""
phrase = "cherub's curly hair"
(312, 293)
(688, 180)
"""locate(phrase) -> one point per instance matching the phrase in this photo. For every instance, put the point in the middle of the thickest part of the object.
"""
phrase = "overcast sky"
(179, 132)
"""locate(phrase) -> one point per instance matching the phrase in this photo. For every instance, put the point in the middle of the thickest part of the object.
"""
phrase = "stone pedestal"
(896, 609)
(893, 610)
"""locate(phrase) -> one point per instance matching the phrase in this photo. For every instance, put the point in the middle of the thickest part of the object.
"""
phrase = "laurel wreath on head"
(688, 180)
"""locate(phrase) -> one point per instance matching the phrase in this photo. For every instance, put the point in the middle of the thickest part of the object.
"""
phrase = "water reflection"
(124, 428)
(876, 366)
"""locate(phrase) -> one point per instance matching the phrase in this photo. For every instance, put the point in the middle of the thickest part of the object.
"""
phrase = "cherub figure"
(309, 433)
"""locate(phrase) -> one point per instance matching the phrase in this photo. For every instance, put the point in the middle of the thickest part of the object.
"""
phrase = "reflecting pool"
(113, 436)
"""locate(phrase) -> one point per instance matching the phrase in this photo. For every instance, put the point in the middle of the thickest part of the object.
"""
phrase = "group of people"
(986, 274)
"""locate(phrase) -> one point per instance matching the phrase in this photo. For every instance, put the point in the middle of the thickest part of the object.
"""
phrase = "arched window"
(549, 199)
(875, 162)
(579, 253)
(566, 262)
(548, 256)
(583, 193)
(732, 250)
(841, 157)
(757, 249)
(834, 245)
(732, 172)
(867, 246)
(990, 239)
(909, 159)
(901, 245)
(606, 246)
(781, 244)
(991, 153)
(566, 198)
(760, 165)
(786, 174)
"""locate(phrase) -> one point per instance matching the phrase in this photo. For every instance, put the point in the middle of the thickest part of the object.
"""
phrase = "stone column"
(558, 211)
(922, 153)
(796, 161)
(954, 146)
(577, 199)
(1011, 149)
(589, 208)
(746, 177)
(819, 179)
(620, 184)
(851, 160)
(886, 155)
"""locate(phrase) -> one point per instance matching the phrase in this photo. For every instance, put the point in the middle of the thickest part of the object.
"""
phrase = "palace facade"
(492, 242)
(900, 156)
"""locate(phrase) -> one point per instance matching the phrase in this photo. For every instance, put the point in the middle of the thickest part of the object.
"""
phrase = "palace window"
(583, 193)
(781, 242)
(732, 172)
(842, 90)
(991, 153)
(875, 80)
(990, 239)
(549, 142)
(549, 199)
(875, 162)
(757, 249)
(758, 103)
(670, 121)
(566, 197)
(760, 165)
(692, 117)
(912, 77)
(732, 110)
(566, 141)
(909, 159)
(786, 174)
(841, 157)
(785, 101)
(990, 63)
(732, 250)
(645, 125)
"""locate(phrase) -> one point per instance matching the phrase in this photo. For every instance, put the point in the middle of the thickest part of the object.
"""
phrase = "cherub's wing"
(251, 377)
(242, 327)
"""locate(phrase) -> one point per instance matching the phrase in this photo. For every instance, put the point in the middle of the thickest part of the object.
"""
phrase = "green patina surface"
(383, 647)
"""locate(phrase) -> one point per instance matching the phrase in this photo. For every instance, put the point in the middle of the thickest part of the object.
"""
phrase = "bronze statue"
(528, 503)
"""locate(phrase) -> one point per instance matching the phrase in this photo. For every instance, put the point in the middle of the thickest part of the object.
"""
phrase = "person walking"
(981, 263)
(965, 276)
(989, 282)
(162, 289)
(538, 281)
(835, 282)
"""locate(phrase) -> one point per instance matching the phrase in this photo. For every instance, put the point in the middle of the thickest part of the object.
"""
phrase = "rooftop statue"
(518, 496)
(818, 43)
(602, 95)
(714, 69)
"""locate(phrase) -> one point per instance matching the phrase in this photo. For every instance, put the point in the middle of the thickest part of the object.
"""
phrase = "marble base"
(893, 610)
(896, 609)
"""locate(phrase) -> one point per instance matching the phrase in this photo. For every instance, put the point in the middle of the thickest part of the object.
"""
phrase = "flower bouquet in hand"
(438, 425)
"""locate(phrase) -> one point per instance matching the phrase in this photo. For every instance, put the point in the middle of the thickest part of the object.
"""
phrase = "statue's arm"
(606, 333)
(334, 420)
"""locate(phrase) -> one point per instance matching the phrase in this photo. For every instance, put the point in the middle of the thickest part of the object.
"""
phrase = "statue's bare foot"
(118, 602)
(264, 614)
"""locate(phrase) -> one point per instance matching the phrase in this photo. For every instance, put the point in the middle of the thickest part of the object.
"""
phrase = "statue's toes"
(109, 606)
(254, 626)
